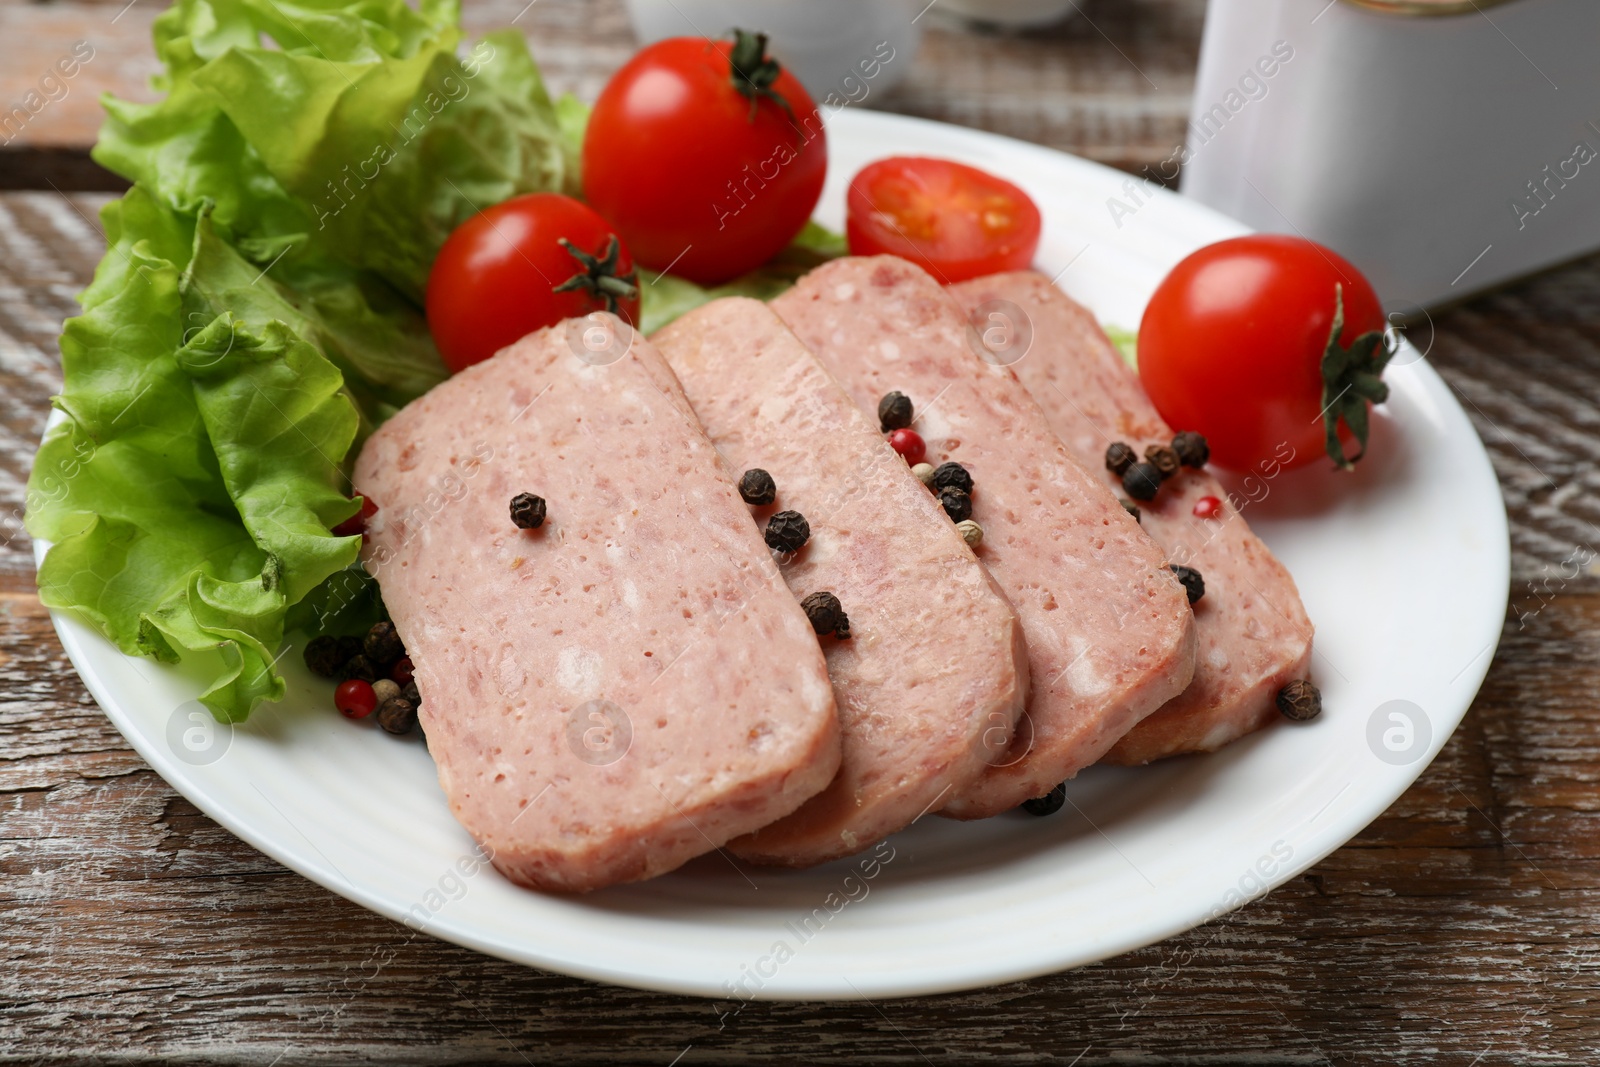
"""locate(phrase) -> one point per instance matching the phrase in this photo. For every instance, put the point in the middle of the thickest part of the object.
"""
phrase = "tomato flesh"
(493, 280)
(1232, 341)
(694, 176)
(954, 221)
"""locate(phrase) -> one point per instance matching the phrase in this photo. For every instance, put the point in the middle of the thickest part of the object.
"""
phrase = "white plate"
(1404, 571)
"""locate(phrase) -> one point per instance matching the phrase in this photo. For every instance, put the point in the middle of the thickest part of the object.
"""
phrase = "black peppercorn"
(825, 612)
(756, 487)
(842, 632)
(397, 715)
(1132, 509)
(1162, 459)
(956, 504)
(1192, 583)
(1141, 481)
(349, 649)
(357, 667)
(527, 511)
(894, 411)
(1192, 449)
(1119, 457)
(409, 691)
(787, 531)
(1048, 804)
(1300, 701)
(946, 475)
(382, 645)
(323, 657)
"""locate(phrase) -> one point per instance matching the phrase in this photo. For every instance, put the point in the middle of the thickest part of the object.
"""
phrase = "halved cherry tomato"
(706, 155)
(954, 221)
(1232, 346)
(505, 272)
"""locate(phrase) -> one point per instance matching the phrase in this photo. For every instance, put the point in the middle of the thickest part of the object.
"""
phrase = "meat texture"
(934, 674)
(628, 685)
(1253, 631)
(1109, 632)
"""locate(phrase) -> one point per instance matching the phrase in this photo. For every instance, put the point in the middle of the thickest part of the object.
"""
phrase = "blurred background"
(1443, 155)
(1110, 81)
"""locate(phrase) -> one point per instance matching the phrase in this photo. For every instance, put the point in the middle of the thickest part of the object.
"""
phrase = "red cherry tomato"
(1232, 342)
(909, 444)
(496, 277)
(700, 169)
(355, 699)
(954, 221)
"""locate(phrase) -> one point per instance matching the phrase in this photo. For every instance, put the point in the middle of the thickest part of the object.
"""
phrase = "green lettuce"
(190, 490)
(663, 297)
(259, 309)
(1127, 344)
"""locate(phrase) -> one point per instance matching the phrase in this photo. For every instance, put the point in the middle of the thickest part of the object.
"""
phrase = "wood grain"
(1112, 84)
(1460, 928)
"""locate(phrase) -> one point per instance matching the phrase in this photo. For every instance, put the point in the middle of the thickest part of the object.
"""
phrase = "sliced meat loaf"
(1254, 634)
(631, 683)
(1109, 631)
(934, 673)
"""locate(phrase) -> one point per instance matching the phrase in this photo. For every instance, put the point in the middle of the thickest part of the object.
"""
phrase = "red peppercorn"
(402, 672)
(1207, 507)
(909, 444)
(357, 523)
(355, 699)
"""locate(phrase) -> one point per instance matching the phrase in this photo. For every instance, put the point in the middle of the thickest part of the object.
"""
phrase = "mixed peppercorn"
(1189, 578)
(374, 675)
(788, 531)
(1048, 804)
(950, 481)
(894, 411)
(757, 488)
(527, 511)
(826, 614)
(1300, 700)
(1141, 479)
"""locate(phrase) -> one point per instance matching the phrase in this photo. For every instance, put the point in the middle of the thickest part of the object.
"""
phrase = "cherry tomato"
(954, 221)
(1232, 342)
(702, 169)
(504, 273)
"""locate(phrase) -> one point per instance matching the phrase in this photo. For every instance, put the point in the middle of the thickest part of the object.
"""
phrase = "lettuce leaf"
(663, 297)
(259, 309)
(1127, 344)
(190, 490)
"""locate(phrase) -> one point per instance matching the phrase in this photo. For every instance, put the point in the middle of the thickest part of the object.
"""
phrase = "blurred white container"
(842, 51)
(1012, 14)
(1442, 155)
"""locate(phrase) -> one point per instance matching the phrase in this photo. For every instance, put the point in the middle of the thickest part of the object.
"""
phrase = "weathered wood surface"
(1112, 84)
(1460, 928)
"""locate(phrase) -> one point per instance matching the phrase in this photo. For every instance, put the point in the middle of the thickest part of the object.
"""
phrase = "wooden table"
(1460, 928)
